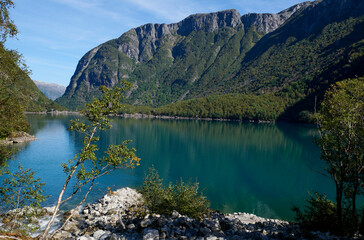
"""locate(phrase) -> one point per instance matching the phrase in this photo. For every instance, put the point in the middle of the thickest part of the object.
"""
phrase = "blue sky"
(55, 34)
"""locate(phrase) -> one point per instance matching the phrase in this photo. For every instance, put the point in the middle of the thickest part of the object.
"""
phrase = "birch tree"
(86, 167)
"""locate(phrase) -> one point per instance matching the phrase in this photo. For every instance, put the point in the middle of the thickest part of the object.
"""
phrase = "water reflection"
(243, 166)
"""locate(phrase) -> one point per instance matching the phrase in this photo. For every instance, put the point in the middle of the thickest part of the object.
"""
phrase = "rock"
(175, 214)
(145, 223)
(85, 237)
(211, 238)
(150, 234)
(115, 237)
(71, 227)
(100, 234)
(214, 225)
(205, 231)
(161, 221)
(21, 137)
(95, 225)
(62, 235)
(163, 235)
(131, 226)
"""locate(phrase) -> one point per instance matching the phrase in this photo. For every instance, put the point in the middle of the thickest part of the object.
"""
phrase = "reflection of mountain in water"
(243, 166)
(248, 161)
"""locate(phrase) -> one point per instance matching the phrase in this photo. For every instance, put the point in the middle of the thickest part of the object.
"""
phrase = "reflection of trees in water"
(8, 152)
(243, 166)
(240, 164)
(39, 121)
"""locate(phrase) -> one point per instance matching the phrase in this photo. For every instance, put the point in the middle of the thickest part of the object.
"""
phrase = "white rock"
(151, 234)
(85, 238)
(100, 233)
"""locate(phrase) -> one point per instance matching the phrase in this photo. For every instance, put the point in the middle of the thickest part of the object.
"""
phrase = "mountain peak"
(209, 22)
(218, 53)
(268, 22)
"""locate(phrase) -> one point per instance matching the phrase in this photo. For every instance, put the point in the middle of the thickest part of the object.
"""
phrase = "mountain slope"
(16, 85)
(51, 90)
(294, 55)
(165, 61)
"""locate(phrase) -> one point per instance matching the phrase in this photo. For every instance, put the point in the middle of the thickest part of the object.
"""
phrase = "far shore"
(151, 116)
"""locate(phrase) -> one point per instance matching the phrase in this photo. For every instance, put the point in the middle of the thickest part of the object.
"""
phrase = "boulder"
(151, 234)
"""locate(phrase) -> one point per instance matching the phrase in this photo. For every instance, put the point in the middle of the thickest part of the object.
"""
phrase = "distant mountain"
(51, 90)
(292, 55)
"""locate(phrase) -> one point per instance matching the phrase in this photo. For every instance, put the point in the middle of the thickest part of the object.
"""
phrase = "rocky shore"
(19, 137)
(120, 215)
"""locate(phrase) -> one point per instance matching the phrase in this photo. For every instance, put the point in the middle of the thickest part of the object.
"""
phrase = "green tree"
(20, 189)
(12, 118)
(341, 127)
(7, 26)
(117, 156)
(11, 111)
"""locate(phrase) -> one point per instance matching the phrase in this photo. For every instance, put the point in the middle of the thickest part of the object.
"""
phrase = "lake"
(242, 167)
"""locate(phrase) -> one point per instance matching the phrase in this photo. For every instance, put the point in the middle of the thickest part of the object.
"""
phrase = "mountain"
(51, 90)
(17, 87)
(18, 93)
(292, 56)
(164, 61)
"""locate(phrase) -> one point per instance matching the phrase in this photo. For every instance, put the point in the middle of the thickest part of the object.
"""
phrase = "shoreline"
(121, 215)
(18, 137)
(151, 116)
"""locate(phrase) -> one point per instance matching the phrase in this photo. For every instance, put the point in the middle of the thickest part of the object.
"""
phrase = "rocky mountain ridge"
(224, 52)
(144, 39)
(141, 44)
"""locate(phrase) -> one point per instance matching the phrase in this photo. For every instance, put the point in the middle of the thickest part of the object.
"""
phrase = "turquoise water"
(246, 167)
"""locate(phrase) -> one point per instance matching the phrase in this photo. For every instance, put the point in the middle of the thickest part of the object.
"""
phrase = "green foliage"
(17, 90)
(20, 189)
(5, 154)
(295, 63)
(341, 126)
(230, 106)
(12, 117)
(86, 167)
(182, 197)
(318, 215)
(7, 26)
(153, 192)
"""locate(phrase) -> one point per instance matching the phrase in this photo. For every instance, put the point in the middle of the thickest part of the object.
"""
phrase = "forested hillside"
(288, 59)
(18, 93)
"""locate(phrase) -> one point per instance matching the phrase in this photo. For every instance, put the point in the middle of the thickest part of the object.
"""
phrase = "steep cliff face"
(213, 53)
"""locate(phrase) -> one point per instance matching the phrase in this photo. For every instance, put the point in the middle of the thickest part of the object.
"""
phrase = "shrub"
(183, 197)
(318, 215)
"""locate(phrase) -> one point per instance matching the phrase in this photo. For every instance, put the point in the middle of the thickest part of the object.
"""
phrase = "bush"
(183, 197)
(318, 215)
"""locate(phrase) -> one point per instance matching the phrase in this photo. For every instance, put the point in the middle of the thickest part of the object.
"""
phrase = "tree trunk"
(339, 197)
(354, 213)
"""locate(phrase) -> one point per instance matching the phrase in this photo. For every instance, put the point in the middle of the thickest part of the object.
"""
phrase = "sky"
(55, 34)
